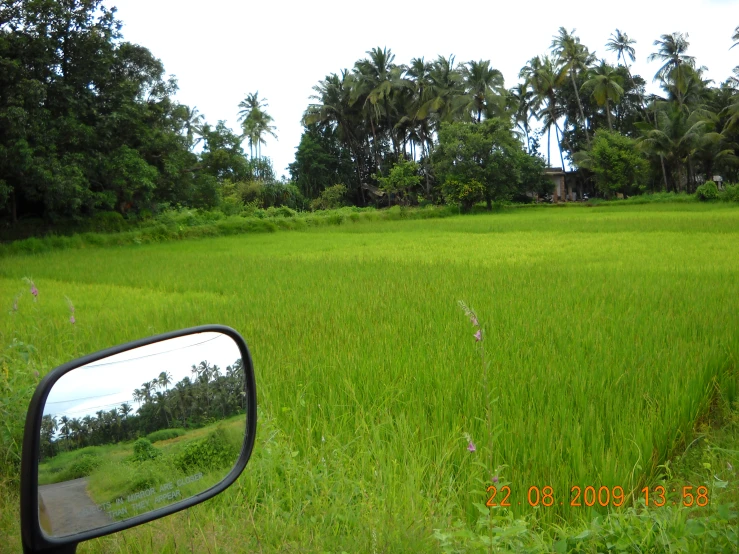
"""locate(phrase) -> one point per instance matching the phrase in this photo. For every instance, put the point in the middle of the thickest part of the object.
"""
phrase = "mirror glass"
(140, 430)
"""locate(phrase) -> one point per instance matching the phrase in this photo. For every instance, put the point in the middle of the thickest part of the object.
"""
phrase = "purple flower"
(473, 319)
(471, 447)
(72, 319)
(34, 291)
(478, 335)
(495, 479)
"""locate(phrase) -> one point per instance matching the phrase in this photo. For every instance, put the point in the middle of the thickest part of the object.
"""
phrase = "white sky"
(220, 50)
(108, 383)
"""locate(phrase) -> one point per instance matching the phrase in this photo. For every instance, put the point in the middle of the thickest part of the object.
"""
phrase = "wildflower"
(473, 319)
(72, 320)
(495, 479)
(471, 446)
(34, 290)
(478, 335)
(731, 467)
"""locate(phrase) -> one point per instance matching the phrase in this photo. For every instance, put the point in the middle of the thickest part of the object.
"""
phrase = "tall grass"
(609, 333)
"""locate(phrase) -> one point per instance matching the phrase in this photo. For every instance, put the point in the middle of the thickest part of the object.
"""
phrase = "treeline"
(212, 394)
(365, 119)
(89, 127)
(88, 122)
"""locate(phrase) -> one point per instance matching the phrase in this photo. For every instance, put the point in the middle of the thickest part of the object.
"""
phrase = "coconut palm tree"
(193, 126)
(605, 87)
(574, 58)
(544, 77)
(255, 122)
(484, 87)
(735, 37)
(125, 409)
(672, 53)
(164, 379)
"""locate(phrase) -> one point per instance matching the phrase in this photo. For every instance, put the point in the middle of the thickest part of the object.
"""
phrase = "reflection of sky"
(108, 383)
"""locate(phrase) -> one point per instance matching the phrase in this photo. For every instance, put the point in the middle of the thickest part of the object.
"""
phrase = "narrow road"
(69, 509)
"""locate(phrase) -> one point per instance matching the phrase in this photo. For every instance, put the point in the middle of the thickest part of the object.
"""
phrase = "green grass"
(610, 332)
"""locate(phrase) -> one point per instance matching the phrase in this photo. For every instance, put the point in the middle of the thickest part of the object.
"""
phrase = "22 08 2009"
(602, 496)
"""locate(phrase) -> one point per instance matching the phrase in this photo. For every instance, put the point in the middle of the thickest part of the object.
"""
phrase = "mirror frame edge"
(32, 537)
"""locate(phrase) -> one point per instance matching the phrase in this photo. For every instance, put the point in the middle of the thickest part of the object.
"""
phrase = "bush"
(213, 452)
(164, 434)
(107, 222)
(707, 191)
(729, 194)
(330, 198)
(143, 450)
(82, 467)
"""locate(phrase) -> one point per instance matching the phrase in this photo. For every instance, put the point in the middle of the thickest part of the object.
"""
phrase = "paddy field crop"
(610, 334)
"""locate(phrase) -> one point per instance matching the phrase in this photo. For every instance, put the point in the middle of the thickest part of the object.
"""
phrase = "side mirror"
(134, 433)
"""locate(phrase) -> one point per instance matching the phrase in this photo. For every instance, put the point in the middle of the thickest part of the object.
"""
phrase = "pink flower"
(72, 319)
(495, 479)
(34, 292)
(478, 335)
(471, 447)
(473, 319)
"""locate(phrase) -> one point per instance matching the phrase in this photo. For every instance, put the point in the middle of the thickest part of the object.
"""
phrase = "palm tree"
(525, 107)
(574, 57)
(125, 409)
(672, 52)
(735, 37)
(543, 76)
(146, 390)
(445, 92)
(164, 379)
(484, 86)
(605, 85)
(255, 122)
(193, 126)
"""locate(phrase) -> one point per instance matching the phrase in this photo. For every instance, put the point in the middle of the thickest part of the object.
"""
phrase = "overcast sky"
(108, 383)
(219, 50)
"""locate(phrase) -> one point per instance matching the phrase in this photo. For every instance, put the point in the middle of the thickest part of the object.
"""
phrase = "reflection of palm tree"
(164, 379)
(125, 409)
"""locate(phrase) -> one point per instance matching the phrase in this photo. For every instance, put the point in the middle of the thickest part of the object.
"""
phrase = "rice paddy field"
(609, 334)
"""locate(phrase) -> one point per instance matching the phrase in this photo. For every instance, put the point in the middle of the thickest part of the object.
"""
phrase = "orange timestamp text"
(601, 496)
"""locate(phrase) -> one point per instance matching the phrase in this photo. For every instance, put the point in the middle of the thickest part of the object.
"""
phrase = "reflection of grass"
(131, 487)
(75, 464)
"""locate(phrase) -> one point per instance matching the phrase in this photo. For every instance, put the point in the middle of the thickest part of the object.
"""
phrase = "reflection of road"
(69, 509)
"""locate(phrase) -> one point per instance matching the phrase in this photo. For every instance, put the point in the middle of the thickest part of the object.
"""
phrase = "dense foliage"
(211, 394)
(88, 121)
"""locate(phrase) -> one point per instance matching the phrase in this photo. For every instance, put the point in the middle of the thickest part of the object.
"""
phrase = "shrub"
(143, 450)
(107, 222)
(707, 191)
(330, 198)
(164, 434)
(82, 467)
(729, 194)
(213, 452)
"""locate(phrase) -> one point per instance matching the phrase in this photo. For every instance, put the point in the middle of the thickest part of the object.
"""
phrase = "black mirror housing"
(34, 539)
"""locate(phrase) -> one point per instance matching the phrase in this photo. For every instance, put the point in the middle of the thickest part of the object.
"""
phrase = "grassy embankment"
(612, 333)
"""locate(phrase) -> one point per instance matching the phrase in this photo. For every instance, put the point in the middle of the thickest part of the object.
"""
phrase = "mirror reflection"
(137, 431)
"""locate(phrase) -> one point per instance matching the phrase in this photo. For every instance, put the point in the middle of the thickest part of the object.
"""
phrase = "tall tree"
(605, 86)
(574, 58)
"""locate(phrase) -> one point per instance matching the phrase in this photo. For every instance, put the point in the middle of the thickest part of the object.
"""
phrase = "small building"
(562, 192)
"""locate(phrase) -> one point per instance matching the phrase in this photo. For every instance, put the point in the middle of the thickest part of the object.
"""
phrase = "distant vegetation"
(90, 131)
(213, 393)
